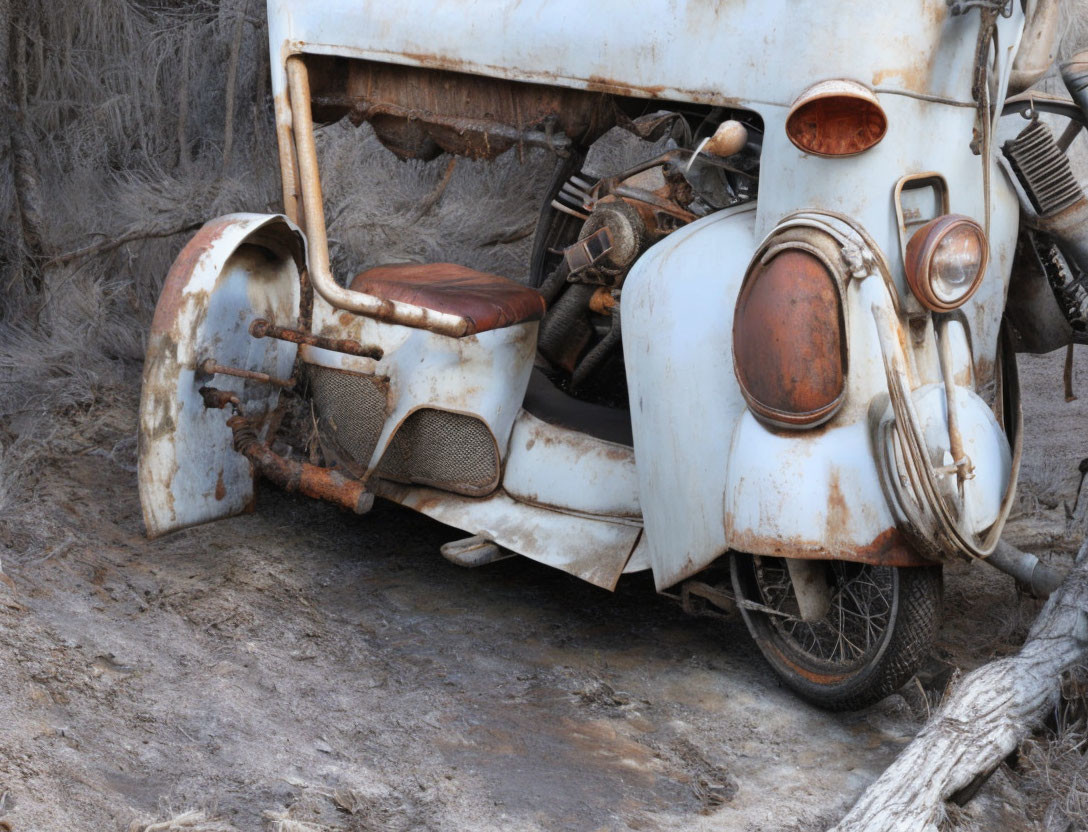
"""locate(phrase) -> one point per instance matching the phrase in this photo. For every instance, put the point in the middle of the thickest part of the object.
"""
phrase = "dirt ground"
(305, 669)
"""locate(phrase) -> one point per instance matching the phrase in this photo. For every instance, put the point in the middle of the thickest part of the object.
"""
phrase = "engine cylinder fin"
(1043, 169)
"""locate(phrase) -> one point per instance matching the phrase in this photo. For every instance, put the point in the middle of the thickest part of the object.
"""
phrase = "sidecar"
(810, 403)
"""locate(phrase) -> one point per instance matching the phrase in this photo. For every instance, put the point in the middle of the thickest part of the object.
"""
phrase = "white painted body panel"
(677, 344)
(482, 375)
(553, 466)
(593, 548)
(188, 470)
(713, 478)
(708, 51)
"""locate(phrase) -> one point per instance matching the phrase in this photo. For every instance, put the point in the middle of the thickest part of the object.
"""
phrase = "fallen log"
(984, 720)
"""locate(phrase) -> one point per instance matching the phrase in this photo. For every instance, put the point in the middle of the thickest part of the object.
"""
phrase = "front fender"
(685, 402)
(236, 268)
(712, 477)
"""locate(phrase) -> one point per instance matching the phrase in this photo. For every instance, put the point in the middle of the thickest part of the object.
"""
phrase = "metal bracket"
(1001, 7)
(706, 593)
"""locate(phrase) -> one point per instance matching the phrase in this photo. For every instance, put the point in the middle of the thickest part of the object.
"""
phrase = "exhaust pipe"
(1035, 576)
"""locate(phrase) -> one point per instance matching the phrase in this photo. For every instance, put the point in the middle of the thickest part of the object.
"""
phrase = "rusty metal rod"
(370, 306)
(209, 367)
(293, 476)
(261, 328)
(964, 469)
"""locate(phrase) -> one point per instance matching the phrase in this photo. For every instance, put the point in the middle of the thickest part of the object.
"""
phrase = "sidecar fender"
(237, 268)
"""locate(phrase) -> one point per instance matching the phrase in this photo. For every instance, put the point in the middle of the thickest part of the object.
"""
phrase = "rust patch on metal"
(218, 399)
(209, 367)
(838, 513)
(602, 301)
(420, 111)
(173, 290)
(789, 342)
(292, 475)
(889, 548)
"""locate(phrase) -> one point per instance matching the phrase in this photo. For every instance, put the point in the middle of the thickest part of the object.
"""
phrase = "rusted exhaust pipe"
(293, 476)
(1031, 573)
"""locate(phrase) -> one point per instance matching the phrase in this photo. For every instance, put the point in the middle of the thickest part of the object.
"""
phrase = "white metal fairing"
(483, 375)
(746, 52)
(594, 549)
(553, 466)
(237, 268)
(685, 402)
(711, 476)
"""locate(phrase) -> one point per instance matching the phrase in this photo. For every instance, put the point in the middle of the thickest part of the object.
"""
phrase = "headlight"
(945, 261)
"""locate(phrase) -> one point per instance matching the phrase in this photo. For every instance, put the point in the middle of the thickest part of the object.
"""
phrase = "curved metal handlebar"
(370, 306)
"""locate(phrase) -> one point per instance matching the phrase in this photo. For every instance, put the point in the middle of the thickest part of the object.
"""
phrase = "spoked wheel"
(875, 634)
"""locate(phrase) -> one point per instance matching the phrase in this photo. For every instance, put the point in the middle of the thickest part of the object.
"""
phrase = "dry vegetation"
(126, 124)
(134, 122)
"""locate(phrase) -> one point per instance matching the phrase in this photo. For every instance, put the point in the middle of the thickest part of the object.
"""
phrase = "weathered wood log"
(986, 717)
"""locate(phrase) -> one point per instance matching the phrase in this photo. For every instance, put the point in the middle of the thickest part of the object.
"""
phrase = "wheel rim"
(853, 631)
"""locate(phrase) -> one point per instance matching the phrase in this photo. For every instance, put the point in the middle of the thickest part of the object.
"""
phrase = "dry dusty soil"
(302, 664)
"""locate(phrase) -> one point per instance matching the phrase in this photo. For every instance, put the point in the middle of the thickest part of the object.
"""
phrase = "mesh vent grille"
(1043, 169)
(350, 409)
(446, 450)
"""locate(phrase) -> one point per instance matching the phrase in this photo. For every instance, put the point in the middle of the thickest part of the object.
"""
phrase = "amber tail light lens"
(836, 118)
(945, 261)
(789, 343)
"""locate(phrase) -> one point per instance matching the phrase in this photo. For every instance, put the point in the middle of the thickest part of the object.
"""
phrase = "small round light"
(836, 118)
(945, 261)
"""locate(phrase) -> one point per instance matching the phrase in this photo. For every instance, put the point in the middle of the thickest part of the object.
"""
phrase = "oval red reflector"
(836, 118)
(788, 341)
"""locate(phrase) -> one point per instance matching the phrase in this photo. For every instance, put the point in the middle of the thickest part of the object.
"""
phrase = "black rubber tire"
(895, 657)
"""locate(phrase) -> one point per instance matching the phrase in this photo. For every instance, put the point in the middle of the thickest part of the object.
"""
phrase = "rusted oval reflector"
(945, 261)
(836, 118)
(789, 345)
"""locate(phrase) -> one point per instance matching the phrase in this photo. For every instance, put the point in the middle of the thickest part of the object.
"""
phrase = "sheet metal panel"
(188, 471)
(708, 51)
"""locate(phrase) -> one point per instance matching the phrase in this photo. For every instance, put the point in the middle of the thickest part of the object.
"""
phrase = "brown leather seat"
(487, 300)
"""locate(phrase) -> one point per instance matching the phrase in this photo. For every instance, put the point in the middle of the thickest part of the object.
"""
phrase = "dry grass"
(1053, 765)
(124, 121)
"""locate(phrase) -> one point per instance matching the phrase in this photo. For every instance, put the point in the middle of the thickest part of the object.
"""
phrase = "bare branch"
(985, 719)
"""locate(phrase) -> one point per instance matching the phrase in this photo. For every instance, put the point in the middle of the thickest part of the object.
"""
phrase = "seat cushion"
(486, 300)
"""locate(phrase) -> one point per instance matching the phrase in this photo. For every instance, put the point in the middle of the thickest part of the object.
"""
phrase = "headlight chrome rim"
(918, 264)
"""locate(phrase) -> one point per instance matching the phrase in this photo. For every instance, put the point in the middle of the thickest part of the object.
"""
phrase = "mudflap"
(236, 269)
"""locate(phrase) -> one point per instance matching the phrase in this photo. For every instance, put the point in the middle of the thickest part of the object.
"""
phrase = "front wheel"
(874, 636)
